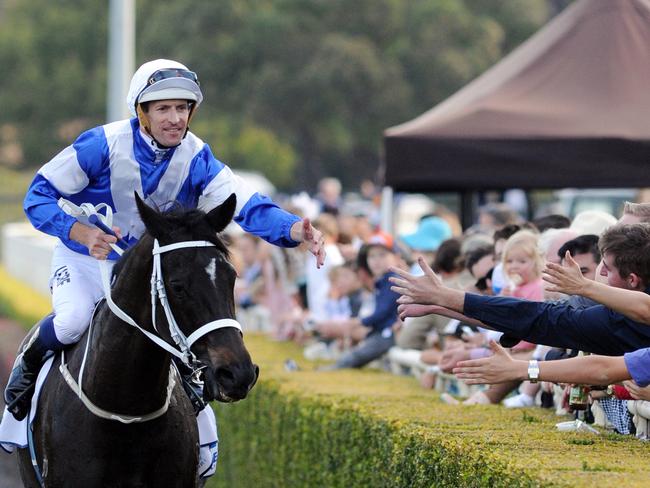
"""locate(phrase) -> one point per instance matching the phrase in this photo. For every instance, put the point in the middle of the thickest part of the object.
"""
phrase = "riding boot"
(192, 385)
(22, 381)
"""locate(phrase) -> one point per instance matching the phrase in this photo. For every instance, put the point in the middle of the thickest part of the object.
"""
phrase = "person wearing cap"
(155, 155)
(430, 233)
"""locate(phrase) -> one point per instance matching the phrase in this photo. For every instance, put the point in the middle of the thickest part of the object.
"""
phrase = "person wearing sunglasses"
(154, 154)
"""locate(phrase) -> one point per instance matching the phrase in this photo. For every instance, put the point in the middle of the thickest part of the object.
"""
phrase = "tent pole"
(468, 206)
(386, 210)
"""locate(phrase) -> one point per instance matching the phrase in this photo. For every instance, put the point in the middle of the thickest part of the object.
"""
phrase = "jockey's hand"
(97, 242)
(303, 231)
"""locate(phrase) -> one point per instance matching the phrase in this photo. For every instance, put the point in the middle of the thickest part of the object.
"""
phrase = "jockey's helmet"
(163, 79)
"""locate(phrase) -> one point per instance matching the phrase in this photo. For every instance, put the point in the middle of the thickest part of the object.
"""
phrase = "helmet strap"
(143, 119)
(189, 117)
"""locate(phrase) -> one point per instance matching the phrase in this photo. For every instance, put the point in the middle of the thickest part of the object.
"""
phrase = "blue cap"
(431, 232)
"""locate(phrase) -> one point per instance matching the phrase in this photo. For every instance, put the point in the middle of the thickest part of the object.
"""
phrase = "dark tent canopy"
(569, 108)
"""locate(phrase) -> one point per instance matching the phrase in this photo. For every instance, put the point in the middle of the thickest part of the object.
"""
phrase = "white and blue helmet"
(163, 79)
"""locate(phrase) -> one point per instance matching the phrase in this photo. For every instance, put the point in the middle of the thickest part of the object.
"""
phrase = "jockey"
(154, 154)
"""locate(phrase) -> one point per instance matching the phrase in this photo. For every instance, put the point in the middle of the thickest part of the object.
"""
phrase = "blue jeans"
(373, 346)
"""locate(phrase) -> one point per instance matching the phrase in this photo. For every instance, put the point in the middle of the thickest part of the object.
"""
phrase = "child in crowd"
(522, 266)
(378, 326)
(522, 271)
(346, 292)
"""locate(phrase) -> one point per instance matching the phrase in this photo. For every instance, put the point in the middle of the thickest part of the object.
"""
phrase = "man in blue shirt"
(626, 256)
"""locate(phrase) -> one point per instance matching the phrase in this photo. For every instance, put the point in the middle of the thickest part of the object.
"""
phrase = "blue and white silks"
(109, 163)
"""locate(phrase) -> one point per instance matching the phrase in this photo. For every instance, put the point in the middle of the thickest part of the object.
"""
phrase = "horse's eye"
(177, 287)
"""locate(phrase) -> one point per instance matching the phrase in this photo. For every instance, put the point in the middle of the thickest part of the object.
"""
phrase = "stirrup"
(19, 407)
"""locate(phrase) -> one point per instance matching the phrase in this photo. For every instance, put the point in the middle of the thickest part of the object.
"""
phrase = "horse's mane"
(182, 224)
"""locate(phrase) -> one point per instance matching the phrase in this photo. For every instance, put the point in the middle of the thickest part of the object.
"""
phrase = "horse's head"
(199, 283)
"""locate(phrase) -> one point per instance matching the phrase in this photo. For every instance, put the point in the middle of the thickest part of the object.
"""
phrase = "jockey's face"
(168, 120)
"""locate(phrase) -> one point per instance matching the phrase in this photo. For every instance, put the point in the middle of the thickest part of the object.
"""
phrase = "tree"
(321, 77)
(56, 55)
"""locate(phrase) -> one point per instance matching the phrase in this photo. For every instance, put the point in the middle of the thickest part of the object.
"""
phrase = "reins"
(158, 293)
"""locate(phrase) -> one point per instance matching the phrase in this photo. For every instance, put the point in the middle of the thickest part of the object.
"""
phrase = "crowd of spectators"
(347, 314)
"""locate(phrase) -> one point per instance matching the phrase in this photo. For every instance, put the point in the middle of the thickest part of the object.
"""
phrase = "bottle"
(579, 394)
(578, 397)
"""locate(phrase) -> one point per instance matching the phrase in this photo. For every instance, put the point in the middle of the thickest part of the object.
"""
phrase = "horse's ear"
(219, 217)
(153, 221)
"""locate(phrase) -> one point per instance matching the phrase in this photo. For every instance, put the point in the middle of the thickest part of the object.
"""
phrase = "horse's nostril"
(225, 374)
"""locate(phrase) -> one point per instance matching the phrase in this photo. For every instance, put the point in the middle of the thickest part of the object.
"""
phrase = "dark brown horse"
(126, 373)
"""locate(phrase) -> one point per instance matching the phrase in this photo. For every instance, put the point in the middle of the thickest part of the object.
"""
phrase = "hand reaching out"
(565, 279)
(303, 231)
(413, 310)
(451, 357)
(422, 290)
(637, 392)
(498, 368)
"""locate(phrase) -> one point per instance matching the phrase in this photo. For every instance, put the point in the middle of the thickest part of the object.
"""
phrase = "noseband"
(158, 293)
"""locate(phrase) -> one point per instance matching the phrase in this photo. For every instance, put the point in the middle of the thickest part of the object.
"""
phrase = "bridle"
(158, 293)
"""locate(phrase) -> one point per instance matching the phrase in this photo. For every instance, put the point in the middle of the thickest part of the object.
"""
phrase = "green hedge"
(279, 440)
(358, 428)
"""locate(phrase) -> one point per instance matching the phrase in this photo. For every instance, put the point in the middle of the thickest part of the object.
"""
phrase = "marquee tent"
(568, 108)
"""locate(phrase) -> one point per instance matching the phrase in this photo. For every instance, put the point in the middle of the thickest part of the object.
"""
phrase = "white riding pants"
(76, 287)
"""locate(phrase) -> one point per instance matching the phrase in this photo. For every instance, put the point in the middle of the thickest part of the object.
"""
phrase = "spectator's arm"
(426, 289)
(414, 310)
(595, 329)
(501, 368)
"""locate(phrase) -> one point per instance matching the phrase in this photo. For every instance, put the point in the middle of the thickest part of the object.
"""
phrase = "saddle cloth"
(13, 433)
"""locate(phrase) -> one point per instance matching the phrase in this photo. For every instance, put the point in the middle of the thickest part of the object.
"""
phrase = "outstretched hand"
(423, 290)
(498, 368)
(303, 231)
(406, 310)
(637, 392)
(567, 278)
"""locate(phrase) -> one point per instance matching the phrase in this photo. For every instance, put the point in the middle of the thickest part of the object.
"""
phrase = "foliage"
(249, 147)
(20, 302)
(13, 185)
(289, 441)
(322, 77)
(53, 54)
(369, 428)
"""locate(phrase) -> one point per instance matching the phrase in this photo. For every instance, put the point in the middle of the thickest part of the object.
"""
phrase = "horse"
(126, 372)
